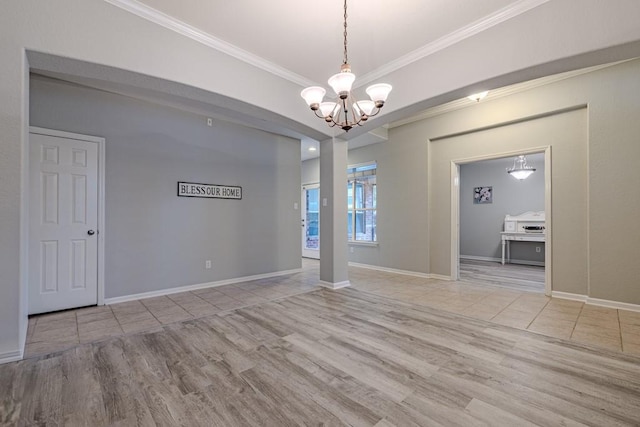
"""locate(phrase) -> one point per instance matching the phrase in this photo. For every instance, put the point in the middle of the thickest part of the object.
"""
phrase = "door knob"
(91, 232)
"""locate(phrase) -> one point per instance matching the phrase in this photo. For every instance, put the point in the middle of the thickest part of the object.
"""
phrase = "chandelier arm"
(377, 110)
(318, 115)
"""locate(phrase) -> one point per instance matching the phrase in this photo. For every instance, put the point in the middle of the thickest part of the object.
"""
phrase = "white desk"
(507, 237)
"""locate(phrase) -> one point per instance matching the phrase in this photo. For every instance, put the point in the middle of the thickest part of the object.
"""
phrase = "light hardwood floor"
(511, 276)
(392, 350)
(345, 357)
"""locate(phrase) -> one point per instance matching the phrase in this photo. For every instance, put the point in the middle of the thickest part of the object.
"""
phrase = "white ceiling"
(433, 52)
(306, 37)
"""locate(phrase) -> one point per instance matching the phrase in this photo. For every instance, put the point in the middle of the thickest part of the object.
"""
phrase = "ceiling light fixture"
(312, 148)
(478, 96)
(347, 112)
(520, 170)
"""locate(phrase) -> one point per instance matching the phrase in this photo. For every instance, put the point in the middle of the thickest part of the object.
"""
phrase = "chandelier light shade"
(520, 170)
(347, 111)
(313, 95)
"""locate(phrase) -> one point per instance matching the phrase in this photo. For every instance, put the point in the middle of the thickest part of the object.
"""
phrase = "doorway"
(66, 214)
(485, 264)
(311, 221)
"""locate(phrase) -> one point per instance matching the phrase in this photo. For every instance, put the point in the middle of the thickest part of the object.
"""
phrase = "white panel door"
(311, 221)
(63, 241)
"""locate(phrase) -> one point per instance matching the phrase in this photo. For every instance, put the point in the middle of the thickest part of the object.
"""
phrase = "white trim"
(62, 134)
(613, 304)
(390, 270)
(362, 243)
(452, 38)
(548, 247)
(153, 15)
(101, 194)
(513, 261)
(25, 220)
(569, 296)
(312, 253)
(101, 218)
(497, 94)
(455, 206)
(455, 221)
(441, 277)
(178, 289)
(150, 14)
(11, 356)
(596, 301)
(334, 286)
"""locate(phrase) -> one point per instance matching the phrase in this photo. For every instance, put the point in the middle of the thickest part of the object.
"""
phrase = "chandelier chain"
(346, 60)
(346, 112)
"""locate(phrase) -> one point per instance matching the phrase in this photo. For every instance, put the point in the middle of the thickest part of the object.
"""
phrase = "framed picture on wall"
(482, 195)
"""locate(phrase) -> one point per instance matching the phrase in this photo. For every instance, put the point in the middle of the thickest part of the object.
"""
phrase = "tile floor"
(613, 329)
(617, 330)
(57, 331)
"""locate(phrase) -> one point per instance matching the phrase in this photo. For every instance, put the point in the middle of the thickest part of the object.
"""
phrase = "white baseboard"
(187, 288)
(569, 296)
(11, 356)
(512, 261)
(337, 285)
(596, 301)
(397, 271)
(391, 270)
(613, 304)
(440, 277)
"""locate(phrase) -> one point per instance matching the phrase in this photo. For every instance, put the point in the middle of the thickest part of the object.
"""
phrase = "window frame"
(353, 211)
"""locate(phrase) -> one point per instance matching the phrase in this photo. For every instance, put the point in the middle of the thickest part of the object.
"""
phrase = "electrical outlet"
(351, 249)
(207, 264)
(537, 248)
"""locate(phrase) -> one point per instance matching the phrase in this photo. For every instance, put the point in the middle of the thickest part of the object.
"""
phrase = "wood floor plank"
(278, 366)
(42, 404)
(512, 276)
(83, 401)
(494, 416)
(328, 358)
(367, 375)
(11, 392)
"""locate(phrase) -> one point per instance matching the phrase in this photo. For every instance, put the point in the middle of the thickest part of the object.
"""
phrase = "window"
(361, 203)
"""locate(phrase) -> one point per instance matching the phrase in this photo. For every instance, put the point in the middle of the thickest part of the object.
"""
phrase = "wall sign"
(209, 191)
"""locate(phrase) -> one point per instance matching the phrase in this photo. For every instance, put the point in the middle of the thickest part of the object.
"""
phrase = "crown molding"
(465, 32)
(498, 93)
(150, 14)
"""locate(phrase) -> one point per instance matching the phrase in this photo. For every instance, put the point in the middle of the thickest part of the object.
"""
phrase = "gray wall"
(595, 180)
(590, 121)
(402, 204)
(156, 240)
(311, 171)
(481, 224)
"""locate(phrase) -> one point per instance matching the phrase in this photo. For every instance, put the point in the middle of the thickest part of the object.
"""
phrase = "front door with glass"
(311, 221)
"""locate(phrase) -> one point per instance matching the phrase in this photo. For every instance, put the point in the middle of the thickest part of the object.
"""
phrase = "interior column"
(333, 214)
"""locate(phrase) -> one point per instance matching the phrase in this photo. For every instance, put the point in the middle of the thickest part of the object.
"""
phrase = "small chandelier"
(520, 170)
(347, 112)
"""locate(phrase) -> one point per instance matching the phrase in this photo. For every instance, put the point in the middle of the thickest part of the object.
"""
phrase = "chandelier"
(347, 112)
(520, 170)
